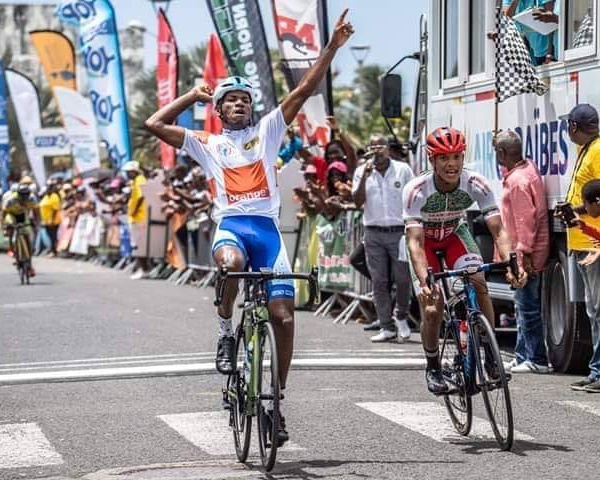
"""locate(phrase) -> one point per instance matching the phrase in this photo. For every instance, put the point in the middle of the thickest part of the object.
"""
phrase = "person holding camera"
(583, 128)
(378, 185)
(524, 213)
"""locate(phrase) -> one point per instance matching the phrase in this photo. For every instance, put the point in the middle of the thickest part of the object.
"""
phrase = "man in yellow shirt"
(137, 216)
(50, 212)
(583, 131)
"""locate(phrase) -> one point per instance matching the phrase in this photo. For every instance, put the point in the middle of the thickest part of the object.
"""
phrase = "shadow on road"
(298, 471)
(520, 447)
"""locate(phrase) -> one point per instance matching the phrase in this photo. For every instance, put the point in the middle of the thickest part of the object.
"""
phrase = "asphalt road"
(104, 377)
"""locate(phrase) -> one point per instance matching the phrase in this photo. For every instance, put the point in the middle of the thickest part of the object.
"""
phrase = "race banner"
(81, 127)
(301, 27)
(25, 99)
(166, 77)
(57, 56)
(94, 21)
(4, 138)
(214, 72)
(335, 272)
(241, 30)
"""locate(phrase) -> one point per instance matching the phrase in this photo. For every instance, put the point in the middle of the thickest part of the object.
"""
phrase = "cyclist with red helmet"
(435, 206)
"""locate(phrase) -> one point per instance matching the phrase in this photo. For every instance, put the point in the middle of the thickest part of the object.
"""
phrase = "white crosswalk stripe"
(589, 407)
(25, 445)
(431, 419)
(209, 431)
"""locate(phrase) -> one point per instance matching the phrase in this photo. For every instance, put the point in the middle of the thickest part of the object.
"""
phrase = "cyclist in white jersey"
(240, 166)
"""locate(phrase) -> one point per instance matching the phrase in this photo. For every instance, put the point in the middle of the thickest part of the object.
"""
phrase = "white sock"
(225, 326)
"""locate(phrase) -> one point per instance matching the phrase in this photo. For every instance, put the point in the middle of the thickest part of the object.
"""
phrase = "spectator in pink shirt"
(524, 213)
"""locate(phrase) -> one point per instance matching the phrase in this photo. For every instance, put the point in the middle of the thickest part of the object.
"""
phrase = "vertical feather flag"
(166, 77)
(214, 71)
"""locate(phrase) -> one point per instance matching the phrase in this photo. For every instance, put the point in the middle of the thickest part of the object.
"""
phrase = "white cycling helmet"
(232, 84)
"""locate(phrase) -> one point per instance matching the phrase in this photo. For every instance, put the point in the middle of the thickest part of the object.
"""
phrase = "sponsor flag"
(57, 56)
(214, 72)
(98, 43)
(240, 28)
(4, 139)
(166, 77)
(81, 127)
(301, 27)
(25, 99)
(514, 72)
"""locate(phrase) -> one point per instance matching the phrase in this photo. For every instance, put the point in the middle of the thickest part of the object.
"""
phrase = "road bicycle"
(22, 252)
(473, 364)
(253, 389)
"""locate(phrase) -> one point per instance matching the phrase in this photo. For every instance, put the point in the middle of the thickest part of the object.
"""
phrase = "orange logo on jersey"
(248, 182)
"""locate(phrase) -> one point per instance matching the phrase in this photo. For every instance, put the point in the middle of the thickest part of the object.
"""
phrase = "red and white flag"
(301, 27)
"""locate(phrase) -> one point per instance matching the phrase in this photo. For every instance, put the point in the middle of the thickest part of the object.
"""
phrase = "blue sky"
(390, 27)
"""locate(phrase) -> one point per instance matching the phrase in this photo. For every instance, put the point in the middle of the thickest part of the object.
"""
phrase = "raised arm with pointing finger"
(161, 122)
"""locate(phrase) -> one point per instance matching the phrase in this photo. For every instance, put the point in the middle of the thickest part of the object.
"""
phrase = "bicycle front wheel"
(458, 402)
(268, 398)
(237, 396)
(493, 382)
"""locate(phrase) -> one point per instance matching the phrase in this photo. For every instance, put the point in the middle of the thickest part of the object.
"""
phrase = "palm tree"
(347, 107)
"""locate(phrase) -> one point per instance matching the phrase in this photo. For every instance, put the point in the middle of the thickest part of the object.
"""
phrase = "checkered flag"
(514, 72)
(585, 34)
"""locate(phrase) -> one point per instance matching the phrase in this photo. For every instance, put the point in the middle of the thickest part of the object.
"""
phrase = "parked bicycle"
(253, 389)
(471, 360)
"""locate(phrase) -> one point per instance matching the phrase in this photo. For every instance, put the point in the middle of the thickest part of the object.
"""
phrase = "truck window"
(450, 39)
(580, 24)
(478, 39)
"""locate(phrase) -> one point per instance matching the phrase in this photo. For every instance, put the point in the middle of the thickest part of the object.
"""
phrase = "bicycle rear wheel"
(458, 403)
(237, 395)
(495, 391)
(268, 403)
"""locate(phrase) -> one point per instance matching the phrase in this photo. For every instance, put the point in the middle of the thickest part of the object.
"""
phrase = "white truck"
(456, 87)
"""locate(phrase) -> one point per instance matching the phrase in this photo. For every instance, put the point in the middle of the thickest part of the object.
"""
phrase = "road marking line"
(37, 304)
(25, 445)
(431, 419)
(209, 431)
(89, 374)
(589, 407)
(170, 356)
(25, 367)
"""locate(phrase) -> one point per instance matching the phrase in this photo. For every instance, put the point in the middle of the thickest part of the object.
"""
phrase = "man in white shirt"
(378, 185)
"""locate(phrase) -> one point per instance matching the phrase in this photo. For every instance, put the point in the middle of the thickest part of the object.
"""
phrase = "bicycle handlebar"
(511, 264)
(265, 276)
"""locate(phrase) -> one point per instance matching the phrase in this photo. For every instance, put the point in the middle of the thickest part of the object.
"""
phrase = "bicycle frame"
(255, 315)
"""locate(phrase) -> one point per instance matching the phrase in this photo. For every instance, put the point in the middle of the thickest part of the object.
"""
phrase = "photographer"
(378, 185)
(583, 131)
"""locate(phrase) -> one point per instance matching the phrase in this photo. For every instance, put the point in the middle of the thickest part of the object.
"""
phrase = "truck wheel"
(567, 329)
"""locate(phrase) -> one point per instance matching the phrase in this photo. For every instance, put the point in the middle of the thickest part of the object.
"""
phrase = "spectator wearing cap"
(378, 187)
(137, 216)
(583, 131)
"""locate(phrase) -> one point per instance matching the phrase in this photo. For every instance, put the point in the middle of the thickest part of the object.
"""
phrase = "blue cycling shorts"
(260, 241)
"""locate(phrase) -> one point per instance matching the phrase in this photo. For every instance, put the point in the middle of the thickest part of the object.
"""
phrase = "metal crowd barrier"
(360, 290)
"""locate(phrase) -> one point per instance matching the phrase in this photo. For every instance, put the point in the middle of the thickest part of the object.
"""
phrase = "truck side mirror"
(391, 96)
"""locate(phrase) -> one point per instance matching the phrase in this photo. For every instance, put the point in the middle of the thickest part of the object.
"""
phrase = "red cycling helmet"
(445, 141)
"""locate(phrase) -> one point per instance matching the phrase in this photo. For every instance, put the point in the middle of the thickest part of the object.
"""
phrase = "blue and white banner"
(4, 142)
(99, 45)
